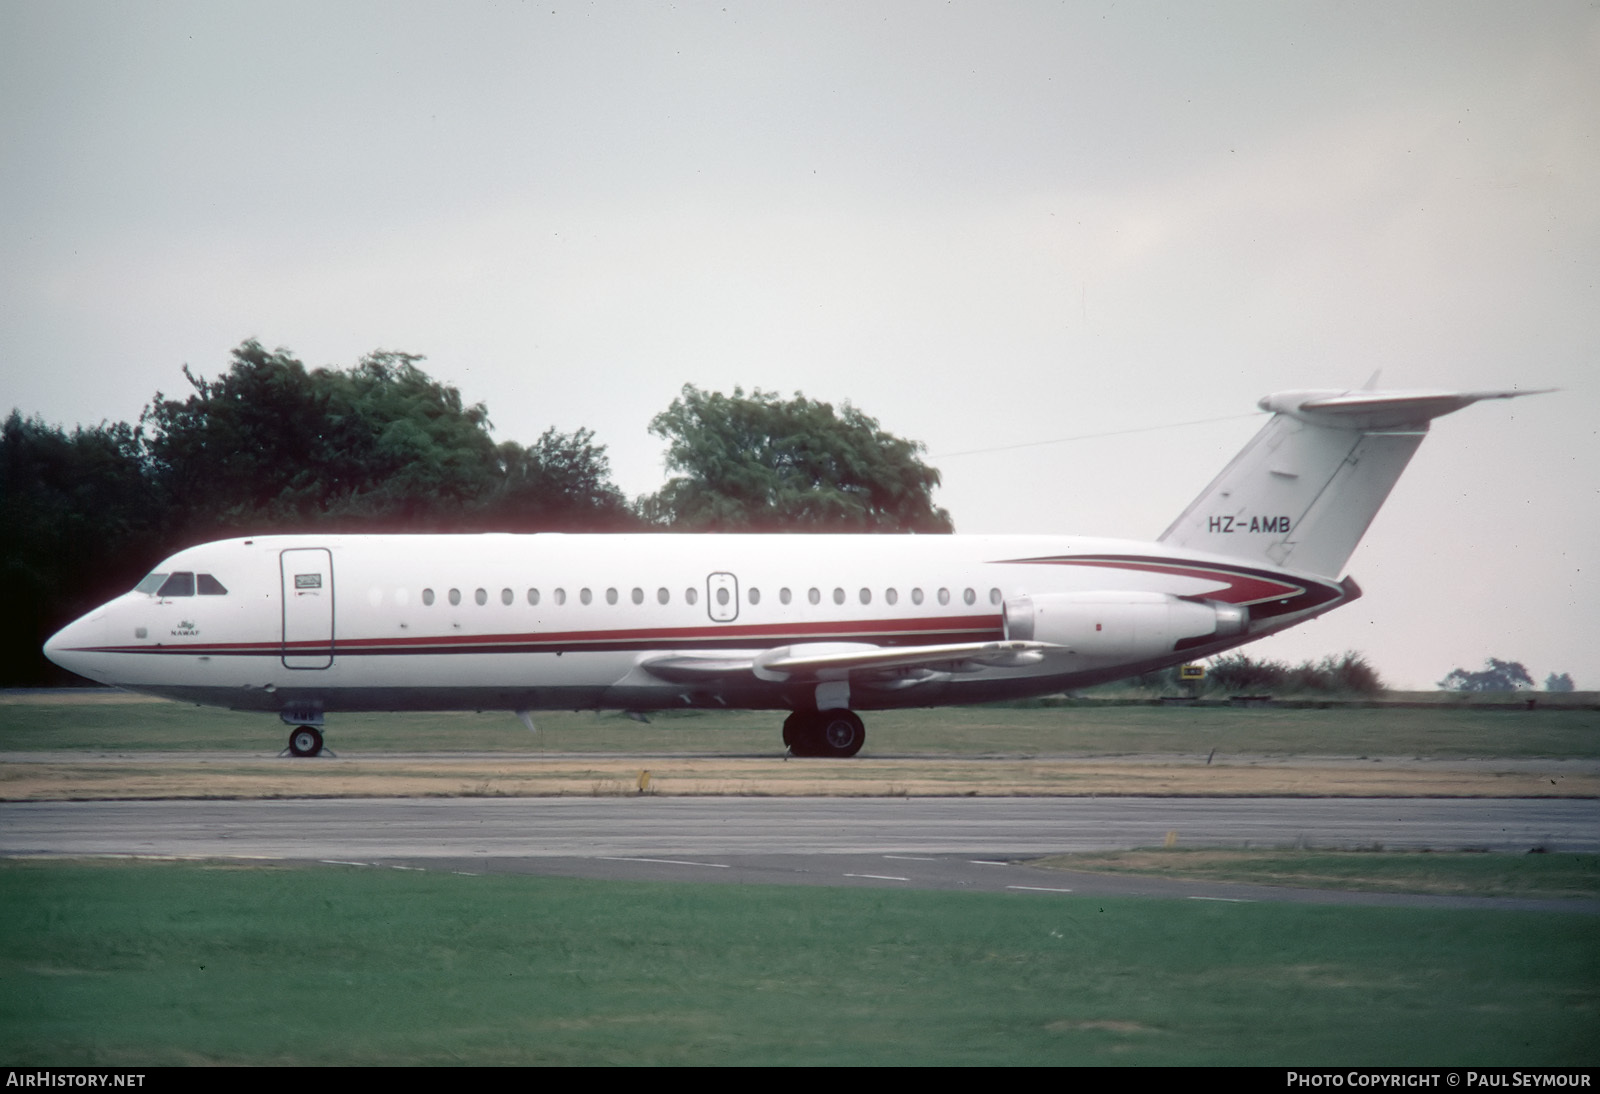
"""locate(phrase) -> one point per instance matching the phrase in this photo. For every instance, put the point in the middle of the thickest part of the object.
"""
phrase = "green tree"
(1562, 682)
(80, 520)
(1348, 674)
(562, 482)
(1497, 675)
(269, 445)
(272, 445)
(760, 463)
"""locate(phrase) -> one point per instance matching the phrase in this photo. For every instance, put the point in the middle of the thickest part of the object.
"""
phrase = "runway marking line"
(1037, 889)
(879, 877)
(913, 858)
(664, 861)
(1225, 899)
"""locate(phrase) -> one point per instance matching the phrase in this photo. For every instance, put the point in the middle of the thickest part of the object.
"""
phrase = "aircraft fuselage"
(650, 622)
(305, 625)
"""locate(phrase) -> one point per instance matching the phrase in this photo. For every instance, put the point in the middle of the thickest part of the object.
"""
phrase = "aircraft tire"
(838, 734)
(305, 741)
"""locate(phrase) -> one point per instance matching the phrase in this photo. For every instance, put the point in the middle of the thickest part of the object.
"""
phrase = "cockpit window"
(150, 584)
(179, 584)
(206, 585)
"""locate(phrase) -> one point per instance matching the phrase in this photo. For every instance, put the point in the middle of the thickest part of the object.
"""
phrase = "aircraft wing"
(839, 660)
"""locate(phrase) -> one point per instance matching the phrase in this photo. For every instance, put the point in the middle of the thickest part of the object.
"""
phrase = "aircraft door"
(307, 607)
(722, 597)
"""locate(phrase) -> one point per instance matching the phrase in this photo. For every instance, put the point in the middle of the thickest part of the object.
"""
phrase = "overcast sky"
(985, 224)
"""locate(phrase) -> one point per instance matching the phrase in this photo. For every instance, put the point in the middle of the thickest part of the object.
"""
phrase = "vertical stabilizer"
(1303, 491)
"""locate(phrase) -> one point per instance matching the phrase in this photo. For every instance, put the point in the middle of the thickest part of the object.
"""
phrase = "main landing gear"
(305, 741)
(829, 733)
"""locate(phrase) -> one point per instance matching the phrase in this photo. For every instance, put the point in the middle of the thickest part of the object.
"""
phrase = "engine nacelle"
(1126, 626)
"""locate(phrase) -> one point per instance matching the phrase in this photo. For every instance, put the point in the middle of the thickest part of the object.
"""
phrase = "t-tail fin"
(1302, 493)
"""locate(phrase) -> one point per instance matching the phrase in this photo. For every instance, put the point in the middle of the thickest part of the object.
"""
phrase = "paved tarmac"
(940, 843)
(644, 825)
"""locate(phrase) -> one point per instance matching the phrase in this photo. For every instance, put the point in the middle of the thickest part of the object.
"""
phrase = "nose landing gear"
(305, 741)
(304, 719)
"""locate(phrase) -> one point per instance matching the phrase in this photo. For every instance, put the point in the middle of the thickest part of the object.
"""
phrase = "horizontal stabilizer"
(1303, 491)
(1380, 409)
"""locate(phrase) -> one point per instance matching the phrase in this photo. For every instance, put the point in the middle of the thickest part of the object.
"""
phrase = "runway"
(967, 844)
(540, 827)
(938, 843)
(544, 827)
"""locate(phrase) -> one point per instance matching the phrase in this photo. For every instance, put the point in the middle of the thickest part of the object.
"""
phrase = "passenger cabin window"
(638, 596)
(891, 596)
(455, 596)
(206, 585)
(427, 597)
(662, 596)
(916, 596)
(691, 594)
(533, 596)
(611, 596)
(560, 595)
(481, 596)
(784, 595)
(507, 596)
(815, 596)
(755, 595)
(179, 584)
(970, 597)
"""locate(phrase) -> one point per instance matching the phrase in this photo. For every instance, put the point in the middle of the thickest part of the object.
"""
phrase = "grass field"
(116, 723)
(174, 963)
(142, 964)
(78, 746)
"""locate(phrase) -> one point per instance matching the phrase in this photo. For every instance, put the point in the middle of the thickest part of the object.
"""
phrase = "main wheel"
(305, 741)
(839, 733)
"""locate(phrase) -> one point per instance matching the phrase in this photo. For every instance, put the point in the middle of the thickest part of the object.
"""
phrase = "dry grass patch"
(222, 776)
(1539, 876)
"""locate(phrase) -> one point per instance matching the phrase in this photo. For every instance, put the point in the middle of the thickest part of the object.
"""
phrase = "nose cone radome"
(72, 646)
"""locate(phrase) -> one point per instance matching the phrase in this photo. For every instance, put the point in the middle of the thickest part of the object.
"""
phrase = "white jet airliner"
(818, 625)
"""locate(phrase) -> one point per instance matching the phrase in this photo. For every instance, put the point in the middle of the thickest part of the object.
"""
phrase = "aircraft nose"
(58, 644)
(67, 646)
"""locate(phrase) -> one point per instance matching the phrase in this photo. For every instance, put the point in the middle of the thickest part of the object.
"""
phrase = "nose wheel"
(833, 734)
(305, 741)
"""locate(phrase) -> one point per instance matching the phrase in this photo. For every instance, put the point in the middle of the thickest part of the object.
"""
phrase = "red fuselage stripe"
(877, 631)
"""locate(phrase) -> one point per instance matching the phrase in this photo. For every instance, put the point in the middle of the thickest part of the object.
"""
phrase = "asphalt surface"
(973, 844)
